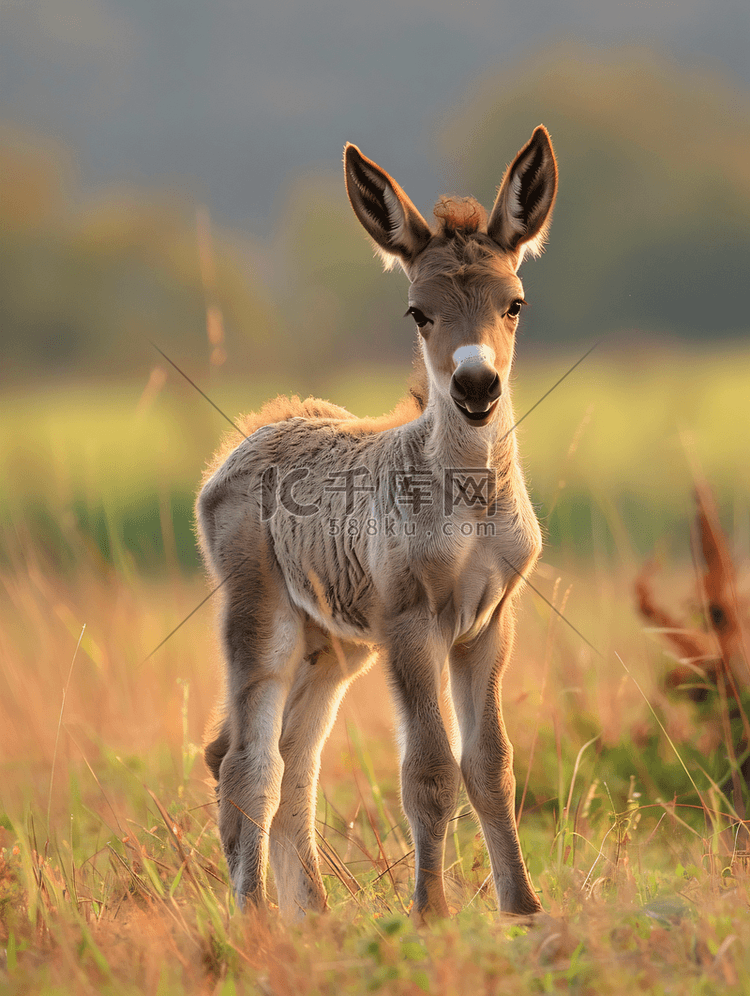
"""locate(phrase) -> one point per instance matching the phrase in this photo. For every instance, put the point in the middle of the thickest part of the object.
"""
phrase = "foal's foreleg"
(262, 656)
(487, 758)
(429, 773)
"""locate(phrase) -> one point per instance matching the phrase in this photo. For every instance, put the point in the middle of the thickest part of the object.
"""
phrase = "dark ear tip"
(541, 133)
(541, 138)
(351, 151)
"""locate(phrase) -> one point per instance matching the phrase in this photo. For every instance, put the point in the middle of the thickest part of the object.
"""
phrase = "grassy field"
(111, 875)
(611, 447)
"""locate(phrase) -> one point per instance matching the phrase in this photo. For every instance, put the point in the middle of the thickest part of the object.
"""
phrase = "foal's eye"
(419, 317)
(515, 309)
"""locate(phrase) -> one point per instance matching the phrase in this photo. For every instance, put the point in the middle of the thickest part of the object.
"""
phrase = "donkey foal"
(338, 539)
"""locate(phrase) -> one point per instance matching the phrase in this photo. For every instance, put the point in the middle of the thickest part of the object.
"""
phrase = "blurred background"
(170, 174)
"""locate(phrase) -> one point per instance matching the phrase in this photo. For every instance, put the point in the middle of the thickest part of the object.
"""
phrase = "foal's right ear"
(389, 217)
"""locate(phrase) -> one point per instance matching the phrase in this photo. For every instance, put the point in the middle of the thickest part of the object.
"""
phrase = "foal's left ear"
(389, 217)
(523, 208)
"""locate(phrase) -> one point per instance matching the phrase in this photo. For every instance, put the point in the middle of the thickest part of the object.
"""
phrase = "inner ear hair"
(386, 213)
(523, 208)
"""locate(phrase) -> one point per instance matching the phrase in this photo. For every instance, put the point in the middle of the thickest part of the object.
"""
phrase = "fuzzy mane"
(284, 407)
(463, 214)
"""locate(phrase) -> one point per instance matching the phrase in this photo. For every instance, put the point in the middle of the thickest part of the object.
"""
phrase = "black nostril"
(477, 387)
(457, 389)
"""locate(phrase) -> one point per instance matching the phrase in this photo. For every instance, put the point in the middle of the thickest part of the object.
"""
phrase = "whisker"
(191, 614)
(198, 389)
(546, 394)
(555, 610)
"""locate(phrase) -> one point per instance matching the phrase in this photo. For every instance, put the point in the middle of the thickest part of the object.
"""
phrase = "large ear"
(389, 217)
(523, 208)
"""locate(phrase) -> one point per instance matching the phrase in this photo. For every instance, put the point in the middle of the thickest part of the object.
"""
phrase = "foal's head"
(465, 294)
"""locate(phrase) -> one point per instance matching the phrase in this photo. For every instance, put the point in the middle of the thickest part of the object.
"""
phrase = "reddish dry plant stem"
(716, 651)
(715, 654)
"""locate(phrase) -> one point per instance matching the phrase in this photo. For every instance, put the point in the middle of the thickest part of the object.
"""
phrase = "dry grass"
(111, 875)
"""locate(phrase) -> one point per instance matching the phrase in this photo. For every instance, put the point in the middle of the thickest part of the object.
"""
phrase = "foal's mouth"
(477, 419)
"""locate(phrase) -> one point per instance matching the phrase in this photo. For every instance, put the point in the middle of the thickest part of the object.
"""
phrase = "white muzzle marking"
(474, 356)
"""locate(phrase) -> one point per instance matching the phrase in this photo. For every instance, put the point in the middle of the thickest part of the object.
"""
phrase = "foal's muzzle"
(475, 389)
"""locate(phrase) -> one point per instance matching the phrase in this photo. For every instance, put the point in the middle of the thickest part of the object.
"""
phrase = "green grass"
(111, 874)
(112, 878)
(608, 453)
(124, 889)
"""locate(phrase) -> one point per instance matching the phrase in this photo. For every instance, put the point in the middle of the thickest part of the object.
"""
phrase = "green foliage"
(82, 290)
(651, 232)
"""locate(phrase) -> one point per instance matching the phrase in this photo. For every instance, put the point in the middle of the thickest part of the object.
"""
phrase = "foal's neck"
(451, 442)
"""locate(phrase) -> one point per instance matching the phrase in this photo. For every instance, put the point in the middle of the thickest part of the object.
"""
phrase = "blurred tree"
(652, 224)
(81, 287)
(337, 305)
(651, 230)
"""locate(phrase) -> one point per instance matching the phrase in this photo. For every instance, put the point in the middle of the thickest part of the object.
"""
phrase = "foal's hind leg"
(263, 645)
(487, 758)
(320, 683)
